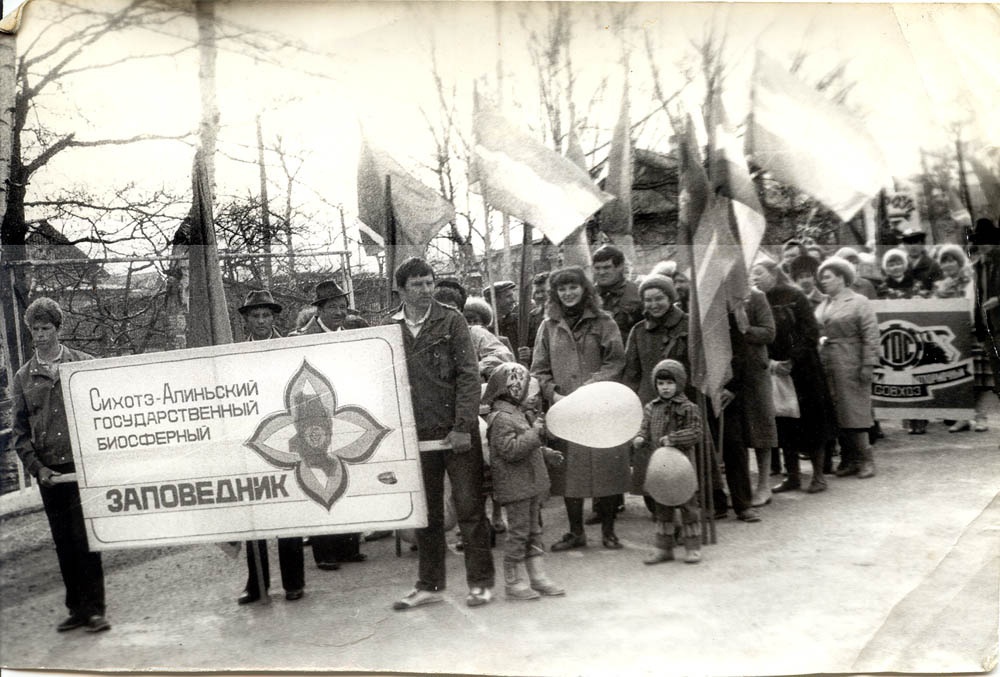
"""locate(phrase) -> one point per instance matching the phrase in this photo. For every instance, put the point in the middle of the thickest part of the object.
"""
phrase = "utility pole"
(265, 212)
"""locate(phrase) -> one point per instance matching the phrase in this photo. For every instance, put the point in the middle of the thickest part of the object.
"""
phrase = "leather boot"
(794, 480)
(516, 581)
(867, 467)
(540, 582)
(664, 550)
(818, 483)
(848, 460)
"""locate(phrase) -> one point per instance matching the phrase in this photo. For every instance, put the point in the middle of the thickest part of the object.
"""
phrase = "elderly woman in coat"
(793, 352)
(849, 350)
(578, 344)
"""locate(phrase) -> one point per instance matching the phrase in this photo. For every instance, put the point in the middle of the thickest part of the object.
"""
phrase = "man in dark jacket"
(259, 311)
(333, 314)
(924, 269)
(444, 385)
(41, 439)
(619, 296)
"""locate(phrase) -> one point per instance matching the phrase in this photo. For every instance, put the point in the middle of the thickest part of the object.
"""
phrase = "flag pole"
(524, 291)
(390, 241)
(963, 184)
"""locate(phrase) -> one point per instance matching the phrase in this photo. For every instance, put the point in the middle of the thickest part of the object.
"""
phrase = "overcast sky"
(328, 66)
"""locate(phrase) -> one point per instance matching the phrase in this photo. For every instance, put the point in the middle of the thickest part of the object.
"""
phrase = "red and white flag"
(809, 142)
(521, 177)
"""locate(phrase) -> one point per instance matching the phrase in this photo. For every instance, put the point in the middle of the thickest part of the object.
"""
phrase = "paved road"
(899, 572)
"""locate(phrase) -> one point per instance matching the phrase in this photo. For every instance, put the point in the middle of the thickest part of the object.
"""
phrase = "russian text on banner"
(925, 369)
(295, 436)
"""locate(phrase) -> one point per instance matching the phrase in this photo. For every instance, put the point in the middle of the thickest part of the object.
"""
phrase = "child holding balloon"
(520, 480)
(669, 420)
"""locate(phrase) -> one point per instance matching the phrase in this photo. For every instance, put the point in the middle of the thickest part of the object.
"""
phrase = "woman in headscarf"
(579, 344)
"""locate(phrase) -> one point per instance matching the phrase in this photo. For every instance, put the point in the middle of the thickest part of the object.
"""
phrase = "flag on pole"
(616, 216)
(420, 212)
(989, 184)
(521, 177)
(730, 177)
(576, 248)
(957, 209)
(712, 255)
(809, 142)
(208, 313)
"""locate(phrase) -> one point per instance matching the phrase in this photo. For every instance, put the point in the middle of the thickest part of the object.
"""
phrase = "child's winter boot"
(664, 551)
(516, 582)
(692, 543)
(539, 581)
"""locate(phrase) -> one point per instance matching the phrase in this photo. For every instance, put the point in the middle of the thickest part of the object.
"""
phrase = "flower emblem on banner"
(326, 437)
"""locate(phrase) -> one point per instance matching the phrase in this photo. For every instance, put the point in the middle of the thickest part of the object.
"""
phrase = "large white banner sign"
(296, 436)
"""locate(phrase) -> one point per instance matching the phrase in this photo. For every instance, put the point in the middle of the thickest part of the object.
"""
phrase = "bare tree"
(42, 67)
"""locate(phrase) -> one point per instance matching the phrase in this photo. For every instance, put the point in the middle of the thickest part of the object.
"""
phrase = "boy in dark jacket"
(670, 420)
(520, 480)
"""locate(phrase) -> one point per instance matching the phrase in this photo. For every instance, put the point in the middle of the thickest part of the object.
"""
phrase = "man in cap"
(507, 311)
(333, 314)
(924, 269)
(539, 296)
(259, 311)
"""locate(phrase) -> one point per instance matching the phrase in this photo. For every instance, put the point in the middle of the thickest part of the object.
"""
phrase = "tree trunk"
(13, 231)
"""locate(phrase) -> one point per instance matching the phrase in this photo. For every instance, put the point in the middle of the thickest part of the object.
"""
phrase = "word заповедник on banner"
(311, 434)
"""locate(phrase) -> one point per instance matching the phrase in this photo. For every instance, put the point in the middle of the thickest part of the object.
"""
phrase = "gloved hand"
(552, 457)
(460, 442)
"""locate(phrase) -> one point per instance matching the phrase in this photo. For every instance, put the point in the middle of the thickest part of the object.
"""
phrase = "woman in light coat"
(578, 344)
(849, 350)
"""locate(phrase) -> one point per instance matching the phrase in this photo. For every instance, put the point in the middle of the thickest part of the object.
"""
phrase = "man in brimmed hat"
(333, 313)
(924, 269)
(259, 311)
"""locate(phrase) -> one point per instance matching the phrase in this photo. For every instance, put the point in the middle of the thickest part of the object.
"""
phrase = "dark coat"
(752, 373)
(796, 339)
(40, 431)
(516, 460)
(905, 287)
(623, 302)
(564, 359)
(444, 374)
(926, 272)
(650, 341)
(986, 267)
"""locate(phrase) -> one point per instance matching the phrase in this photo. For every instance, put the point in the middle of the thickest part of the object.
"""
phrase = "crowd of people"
(805, 343)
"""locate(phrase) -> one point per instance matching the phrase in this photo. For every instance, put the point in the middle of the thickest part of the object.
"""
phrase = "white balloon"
(601, 415)
(670, 478)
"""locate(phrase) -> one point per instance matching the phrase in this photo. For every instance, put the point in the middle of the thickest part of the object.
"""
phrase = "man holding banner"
(42, 441)
(444, 385)
(259, 311)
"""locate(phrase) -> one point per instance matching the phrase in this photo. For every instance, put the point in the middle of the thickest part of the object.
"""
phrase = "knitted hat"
(674, 369)
(840, 266)
(955, 252)
(847, 253)
(894, 253)
(661, 282)
(665, 268)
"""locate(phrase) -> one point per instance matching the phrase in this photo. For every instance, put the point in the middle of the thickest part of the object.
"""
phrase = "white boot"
(539, 581)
